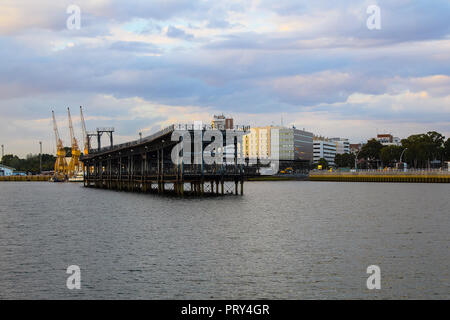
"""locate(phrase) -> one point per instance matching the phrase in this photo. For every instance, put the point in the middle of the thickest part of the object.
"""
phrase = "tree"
(447, 150)
(435, 143)
(371, 151)
(345, 160)
(391, 154)
(422, 148)
(31, 163)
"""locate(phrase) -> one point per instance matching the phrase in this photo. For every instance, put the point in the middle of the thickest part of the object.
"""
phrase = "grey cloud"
(134, 46)
(174, 32)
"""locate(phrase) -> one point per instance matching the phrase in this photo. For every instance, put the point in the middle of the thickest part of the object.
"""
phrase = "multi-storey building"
(342, 145)
(387, 139)
(323, 148)
(303, 145)
(279, 143)
(257, 143)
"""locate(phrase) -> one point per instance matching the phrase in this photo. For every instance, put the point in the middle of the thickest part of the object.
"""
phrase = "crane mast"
(85, 136)
(74, 164)
(61, 168)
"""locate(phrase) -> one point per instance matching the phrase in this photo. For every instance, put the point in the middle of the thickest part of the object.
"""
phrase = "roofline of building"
(7, 167)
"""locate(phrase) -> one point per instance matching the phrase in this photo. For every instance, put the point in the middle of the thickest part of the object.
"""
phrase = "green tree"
(371, 152)
(345, 160)
(31, 163)
(390, 154)
(447, 150)
(422, 148)
(339, 160)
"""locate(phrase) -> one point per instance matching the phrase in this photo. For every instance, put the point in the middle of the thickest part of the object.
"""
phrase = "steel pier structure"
(146, 165)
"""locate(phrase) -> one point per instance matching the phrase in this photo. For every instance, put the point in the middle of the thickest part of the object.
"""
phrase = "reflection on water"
(281, 240)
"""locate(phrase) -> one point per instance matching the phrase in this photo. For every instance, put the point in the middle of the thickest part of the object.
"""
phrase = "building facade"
(387, 139)
(278, 143)
(324, 149)
(342, 145)
(303, 145)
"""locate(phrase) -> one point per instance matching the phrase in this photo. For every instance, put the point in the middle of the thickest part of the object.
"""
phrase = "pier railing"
(171, 128)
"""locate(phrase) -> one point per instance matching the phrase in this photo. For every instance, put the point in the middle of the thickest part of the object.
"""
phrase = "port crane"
(85, 134)
(74, 164)
(61, 167)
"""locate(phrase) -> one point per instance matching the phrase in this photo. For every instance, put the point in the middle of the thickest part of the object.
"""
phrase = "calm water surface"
(281, 240)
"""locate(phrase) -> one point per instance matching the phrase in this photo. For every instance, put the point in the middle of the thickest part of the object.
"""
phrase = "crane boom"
(72, 135)
(74, 164)
(55, 128)
(85, 136)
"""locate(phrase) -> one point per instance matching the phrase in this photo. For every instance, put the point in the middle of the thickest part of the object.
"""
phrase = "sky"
(141, 65)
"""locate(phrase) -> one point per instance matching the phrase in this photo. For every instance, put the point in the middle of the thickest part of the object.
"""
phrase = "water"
(281, 240)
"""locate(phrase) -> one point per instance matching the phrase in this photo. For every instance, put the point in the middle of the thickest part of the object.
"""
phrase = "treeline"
(418, 151)
(31, 163)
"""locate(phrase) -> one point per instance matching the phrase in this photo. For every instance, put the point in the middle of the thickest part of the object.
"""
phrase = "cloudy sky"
(140, 65)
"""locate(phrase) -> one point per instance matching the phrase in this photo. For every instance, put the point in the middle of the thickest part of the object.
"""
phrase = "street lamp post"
(401, 155)
(40, 157)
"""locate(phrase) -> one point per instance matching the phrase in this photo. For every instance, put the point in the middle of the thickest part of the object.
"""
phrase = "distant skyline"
(142, 65)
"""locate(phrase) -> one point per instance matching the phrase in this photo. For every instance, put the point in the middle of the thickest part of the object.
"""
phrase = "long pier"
(146, 165)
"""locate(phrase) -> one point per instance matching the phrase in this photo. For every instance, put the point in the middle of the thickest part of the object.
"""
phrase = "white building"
(6, 171)
(342, 145)
(324, 149)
